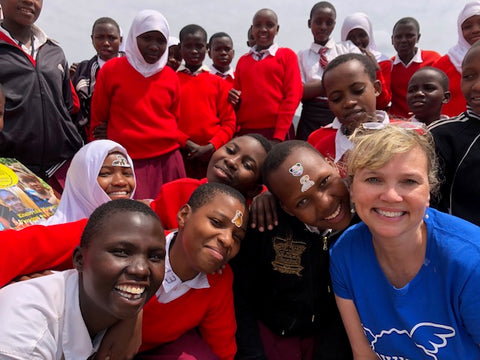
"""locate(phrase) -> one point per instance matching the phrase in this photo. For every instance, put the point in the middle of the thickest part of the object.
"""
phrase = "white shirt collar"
(39, 38)
(342, 143)
(262, 54)
(230, 72)
(183, 68)
(316, 47)
(417, 58)
(172, 286)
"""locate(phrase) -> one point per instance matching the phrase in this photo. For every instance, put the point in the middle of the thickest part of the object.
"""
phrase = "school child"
(468, 24)
(38, 129)
(106, 40)
(206, 117)
(427, 93)
(457, 145)
(267, 87)
(65, 315)
(351, 88)
(140, 108)
(284, 306)
(409, 58)
(250, 39)
(2, 106)
(358, 29)
(238, 164)
(315, 111)
(220, 50)
(174, 53)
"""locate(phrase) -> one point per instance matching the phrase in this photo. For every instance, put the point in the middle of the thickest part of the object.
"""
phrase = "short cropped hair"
(96, 222)
(192, 29)
(105, 20)
(341, 59)
(218, 35)
(374, 148)
(206, 192)
(444, 81)
(266, 144)
(279, 153)
(474, 46)
(323, 5)
(405, 21)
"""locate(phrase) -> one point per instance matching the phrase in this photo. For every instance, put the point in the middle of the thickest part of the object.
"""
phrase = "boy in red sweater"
(206, 116)
(409, 58)
(267, 87)
(220, 50)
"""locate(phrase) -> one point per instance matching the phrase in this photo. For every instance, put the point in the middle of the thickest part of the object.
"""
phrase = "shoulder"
(445, 125)
(221, 281)
(351, 239)
(345, 47)
(321, 133)
(429, 55)
(287, 53)
(442, 61)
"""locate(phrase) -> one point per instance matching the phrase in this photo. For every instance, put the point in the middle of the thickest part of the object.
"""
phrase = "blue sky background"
(69, 22)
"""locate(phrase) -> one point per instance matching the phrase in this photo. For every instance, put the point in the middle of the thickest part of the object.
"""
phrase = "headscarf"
(145, 21)
(172, 40)
(360, 20)
(457, 53)
(82, 193)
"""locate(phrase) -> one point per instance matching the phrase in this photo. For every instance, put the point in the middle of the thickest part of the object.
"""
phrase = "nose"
(349, 102)
(119, 179)
(232, 161)
(138, 267)
(390, 194)
(226, 240)
(322, 201)
(419, 93)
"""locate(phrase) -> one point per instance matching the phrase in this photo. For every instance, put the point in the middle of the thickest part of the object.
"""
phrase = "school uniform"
(315, 112)
(228, 75)
(141, 109)
(206, 115)
(401, 74)
(271, 89)
(41, 319)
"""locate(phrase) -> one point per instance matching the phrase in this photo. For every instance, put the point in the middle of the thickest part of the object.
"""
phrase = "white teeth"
(134, 290)
(118, 193)
(390, 214)
(335, 214)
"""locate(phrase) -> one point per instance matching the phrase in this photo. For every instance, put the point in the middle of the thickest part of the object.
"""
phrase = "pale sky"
(69, 22)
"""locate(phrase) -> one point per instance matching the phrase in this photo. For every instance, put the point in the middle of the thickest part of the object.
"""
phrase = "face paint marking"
(296, 170)
(238, 219)
(306, 183)
(121, 161)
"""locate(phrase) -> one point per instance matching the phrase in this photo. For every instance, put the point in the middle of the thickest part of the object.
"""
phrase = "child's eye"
(302, 203)
(249, 166)
(157, 256)
(358, 91)
(335, 99)
(127, 173)
(104, 173)
(325, 181)
(215, 222)
(229, 150)
(120, 252)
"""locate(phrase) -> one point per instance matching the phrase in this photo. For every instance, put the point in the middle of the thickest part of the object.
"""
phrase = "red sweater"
(210, 309)
(323, 139)
(206, 116)
(171, 197)
(271, 91)
(384, 76)
(457, 103)
(401, 76)
(141, 112)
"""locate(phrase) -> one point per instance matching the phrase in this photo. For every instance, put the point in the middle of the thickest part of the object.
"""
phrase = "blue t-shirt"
(437, 314)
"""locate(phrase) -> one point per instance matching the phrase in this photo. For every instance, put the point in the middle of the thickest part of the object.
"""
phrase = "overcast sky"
(69, 22)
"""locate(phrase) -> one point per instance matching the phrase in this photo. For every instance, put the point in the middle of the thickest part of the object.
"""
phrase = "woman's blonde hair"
(374, 148)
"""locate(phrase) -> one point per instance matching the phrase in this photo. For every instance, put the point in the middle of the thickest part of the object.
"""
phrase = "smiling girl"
(139, 109)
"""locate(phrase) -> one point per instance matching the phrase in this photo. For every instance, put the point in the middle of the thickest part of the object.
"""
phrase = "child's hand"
(204, 153)
(100, 132)
(263, 211)
(234, 96)
(122, 340)
(190, 149)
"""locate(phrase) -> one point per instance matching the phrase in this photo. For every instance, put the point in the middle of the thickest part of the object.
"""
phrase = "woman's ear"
(77, 258)
(183, 215)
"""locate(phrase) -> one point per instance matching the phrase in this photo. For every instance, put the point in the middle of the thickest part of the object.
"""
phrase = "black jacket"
(281, 278)
(457, 143)
(38, 130)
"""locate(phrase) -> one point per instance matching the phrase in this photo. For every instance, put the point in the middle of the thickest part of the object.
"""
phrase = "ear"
(257, 190)
(278, 28)
(309, 23)
(209, 52)
(378, 87)
(447, 95)
(121, 39)
(418, 38)
(183, 214)
(77, 258)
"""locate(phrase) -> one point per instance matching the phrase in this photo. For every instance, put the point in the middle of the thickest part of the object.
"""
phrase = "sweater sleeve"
(37, 248)
(383, 75)
(226, 116)
(181, 136)
(218, 326)
(292, 94)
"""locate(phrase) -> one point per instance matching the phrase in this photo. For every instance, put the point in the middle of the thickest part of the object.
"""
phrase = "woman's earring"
(352, 208)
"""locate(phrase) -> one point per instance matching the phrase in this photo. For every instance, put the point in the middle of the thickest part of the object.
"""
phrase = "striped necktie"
(323, 57)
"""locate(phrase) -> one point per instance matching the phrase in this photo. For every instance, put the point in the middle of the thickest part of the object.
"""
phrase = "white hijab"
(145, 21)
(457, 53)
(360, 20)
(82, 193)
